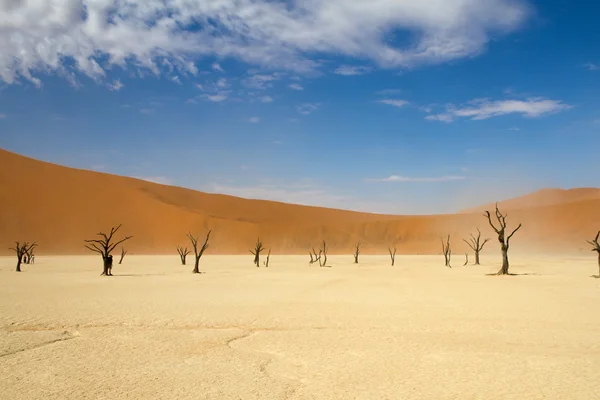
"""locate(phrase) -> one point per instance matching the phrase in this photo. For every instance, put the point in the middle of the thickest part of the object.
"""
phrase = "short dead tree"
(258, 247)
(447, 251)
(466, 259)
(123, 253)
(502, 238)
(21, 250)
(29, 257)
(356, 252)
(266, 263)
(323, 255)
(104, 247)
(596, 248)
(198, 251)
(392, 252)
(314, 257)
(476, 244)
(183, 252)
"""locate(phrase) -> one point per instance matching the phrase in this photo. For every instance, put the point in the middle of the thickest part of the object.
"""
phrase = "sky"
(385, 106)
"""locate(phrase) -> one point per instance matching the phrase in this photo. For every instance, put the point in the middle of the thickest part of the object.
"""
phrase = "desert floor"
(293, 331)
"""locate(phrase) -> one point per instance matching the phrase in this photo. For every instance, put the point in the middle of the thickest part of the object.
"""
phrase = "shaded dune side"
(60, 206)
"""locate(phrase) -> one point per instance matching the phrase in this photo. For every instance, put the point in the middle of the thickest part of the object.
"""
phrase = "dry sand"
(293, 331)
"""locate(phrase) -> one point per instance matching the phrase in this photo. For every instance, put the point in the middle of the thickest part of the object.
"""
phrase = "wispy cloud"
(295, 86)
(481, 109)
(350, 70)
(217, 67)
(116, 85)
(591, 66)
(222, 83)
(146, 111)
(216, 98)
(307, 108)
(260, 81)
(400, 178)
(395, 103)
(266, 99)
(147, 35)
(514, 129)
(254, 120)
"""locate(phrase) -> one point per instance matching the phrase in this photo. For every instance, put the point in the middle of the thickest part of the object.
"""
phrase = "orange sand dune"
(60, 207)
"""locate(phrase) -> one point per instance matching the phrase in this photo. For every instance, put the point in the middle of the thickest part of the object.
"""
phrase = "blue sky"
(383, 106)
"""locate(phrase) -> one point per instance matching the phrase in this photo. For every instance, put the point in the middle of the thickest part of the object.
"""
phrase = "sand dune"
(415, 331)
(59, 207)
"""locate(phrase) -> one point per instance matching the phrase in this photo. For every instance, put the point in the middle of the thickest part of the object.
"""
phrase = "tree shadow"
(513, 274)
(595, 276)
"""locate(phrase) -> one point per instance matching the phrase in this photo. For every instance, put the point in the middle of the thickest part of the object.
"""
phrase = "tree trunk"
(182, 260)
(18, 264)
(196, 270)
(476, 258)
(504, 269)
(599, 264)
(106, 264)
(355, 259)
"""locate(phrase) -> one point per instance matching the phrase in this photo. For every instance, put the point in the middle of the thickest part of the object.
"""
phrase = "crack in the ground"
(37, 346)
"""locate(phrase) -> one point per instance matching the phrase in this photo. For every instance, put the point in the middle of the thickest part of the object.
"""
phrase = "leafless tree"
(502, 238)
(392, 252)
(596, 248)
(447, 251)
(123, 253)
(268, 257)
(314, 257)
(466, 259)
(356, 252)
(476, 244)
(183, 252)
(22, 249)
(258, 247)
(29, 257)
(198, 252)
(104, 247)
(323, 255)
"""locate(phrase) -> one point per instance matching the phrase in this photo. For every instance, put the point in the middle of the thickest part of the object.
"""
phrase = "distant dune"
(60, 207)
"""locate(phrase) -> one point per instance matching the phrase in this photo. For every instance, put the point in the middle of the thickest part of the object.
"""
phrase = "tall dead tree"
(447, 251)
(104, 247)
(476, 244)
(268, 257)
(323, 255)
(21, 250)
(392, 254)
(123, 253)
(356, 252)
(258, 247)
(596, 248)
(198, 252)
(502, 238)
(183, 252)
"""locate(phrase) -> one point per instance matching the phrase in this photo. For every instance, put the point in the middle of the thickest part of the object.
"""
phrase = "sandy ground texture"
(293, 331)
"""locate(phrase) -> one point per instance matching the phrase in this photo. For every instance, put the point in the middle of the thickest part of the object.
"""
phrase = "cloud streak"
(404, 179)
(395, 103)
(349, 70)
(70, 37)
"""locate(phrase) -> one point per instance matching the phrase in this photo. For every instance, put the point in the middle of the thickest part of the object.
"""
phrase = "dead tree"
(323, 252)
(466, 259)
(258, 247)
(314, 257)
(198, 252)
(356, 252)
(447, 251)
(476, 244)
(392, 254)
(502, 238)
(123, 253)
(22, 249)
(267, 261)
(28, 257)
(104, 247)
(596, 248)
(183, 252)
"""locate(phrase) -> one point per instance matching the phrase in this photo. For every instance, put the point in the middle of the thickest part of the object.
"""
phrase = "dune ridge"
(60, 207)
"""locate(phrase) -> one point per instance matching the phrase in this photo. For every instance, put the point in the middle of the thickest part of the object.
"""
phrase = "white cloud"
(295, 86)
(222, 83)
(399, 178)
(480, 109)
(216, 98)
(350, 70)
(88, 36)
(395, 103)
(116, 85)
(591, 66)
(307, 108)
(514, 129)
(217, 67)
(254, 120)
(260, 81)
(266, 99)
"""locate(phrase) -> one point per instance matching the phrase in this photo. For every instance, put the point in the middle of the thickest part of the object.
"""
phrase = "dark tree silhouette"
(183, 252)
(596, 248)
(323, 258)
(198, 252)
(356, 252)
(21, 250)
(502, 238)
(392, 252)
(104, 247)
(466, 259)
(476, 244)
(268, 257)
(314, 257)
(258, 247)
(123, 253)
(447, 251)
